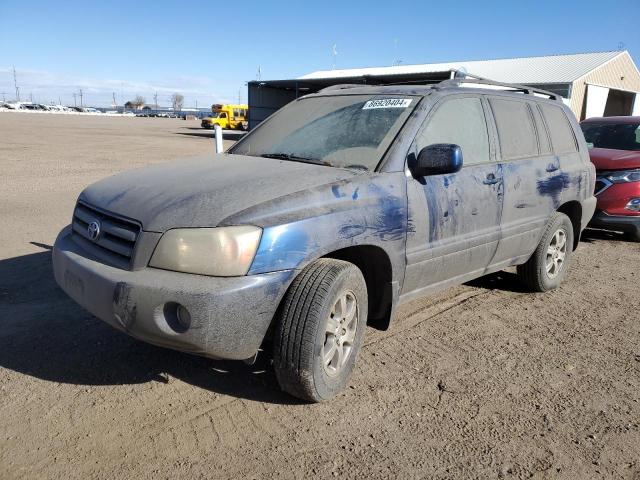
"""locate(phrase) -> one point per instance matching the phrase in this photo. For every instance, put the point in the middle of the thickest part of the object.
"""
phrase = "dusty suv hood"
(203, 191)
(610, 159)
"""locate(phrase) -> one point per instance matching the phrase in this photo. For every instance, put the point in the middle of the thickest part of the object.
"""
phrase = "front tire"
(320, 329)
(547, 267)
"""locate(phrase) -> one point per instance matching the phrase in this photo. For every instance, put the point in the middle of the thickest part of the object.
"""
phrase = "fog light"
(177, 317)
(633, 205)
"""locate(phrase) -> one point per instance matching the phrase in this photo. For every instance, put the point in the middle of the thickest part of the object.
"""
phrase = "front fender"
(369, 210)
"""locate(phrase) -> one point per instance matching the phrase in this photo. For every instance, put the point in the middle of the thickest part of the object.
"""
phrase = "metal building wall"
(619, 73)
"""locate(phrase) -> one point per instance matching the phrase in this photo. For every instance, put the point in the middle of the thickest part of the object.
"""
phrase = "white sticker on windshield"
(387, 103)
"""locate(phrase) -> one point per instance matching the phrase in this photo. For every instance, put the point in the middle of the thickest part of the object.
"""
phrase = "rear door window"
(516, 132)
(460, 121)
(562, 137)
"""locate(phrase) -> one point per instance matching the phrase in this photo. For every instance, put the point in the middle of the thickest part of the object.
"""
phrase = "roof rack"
(343, 86)
(456, 82)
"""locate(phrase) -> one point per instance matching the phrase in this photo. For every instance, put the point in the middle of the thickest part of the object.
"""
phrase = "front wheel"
(320, 329)
(548, 265)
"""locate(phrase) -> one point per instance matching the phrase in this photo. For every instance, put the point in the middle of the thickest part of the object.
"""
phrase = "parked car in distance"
(327, 216)
(31, 106)
(614, 144)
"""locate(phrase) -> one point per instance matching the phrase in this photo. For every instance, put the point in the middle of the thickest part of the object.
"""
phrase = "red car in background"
(614, 147)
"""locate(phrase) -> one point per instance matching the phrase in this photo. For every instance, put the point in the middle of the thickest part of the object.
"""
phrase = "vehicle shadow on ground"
(44, 334)
(505, 281)
(233, 135)
(590, 236)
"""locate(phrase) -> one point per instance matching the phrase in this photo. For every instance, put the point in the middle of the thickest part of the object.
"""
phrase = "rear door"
(530, 170)
(454, 220)
(571, 177)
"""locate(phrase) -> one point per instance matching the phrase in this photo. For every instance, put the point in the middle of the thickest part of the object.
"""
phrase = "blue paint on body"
(372, 213)
(336, 191)
(281, 248)
(553, 187)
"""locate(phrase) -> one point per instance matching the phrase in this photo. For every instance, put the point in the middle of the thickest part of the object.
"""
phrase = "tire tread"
(299, 315)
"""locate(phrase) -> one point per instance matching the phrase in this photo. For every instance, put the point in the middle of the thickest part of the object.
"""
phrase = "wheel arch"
(573, 210)
(377, 270)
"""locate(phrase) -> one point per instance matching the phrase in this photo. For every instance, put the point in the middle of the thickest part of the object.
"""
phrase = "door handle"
(491, 179)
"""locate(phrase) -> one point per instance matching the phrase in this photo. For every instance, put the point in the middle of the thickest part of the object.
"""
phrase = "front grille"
(601, 185)
(116, 239)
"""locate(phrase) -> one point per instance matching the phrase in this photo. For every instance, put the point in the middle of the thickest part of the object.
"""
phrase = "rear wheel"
(548, 265)
(320, 329)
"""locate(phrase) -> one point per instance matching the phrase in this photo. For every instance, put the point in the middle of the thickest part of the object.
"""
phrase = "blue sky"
(208, 50)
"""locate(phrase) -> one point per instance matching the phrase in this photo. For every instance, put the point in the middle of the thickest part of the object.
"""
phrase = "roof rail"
(343, 86)
(456, 82)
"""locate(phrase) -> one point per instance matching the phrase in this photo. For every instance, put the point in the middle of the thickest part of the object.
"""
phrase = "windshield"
(611, 135)
(214, 115)
(350, 131)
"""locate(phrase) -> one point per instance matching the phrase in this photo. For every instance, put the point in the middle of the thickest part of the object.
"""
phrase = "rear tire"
(547, 267)
(320, 329)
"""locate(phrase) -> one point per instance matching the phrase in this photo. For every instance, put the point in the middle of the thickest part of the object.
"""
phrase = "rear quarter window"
(516, 132)
(562, 136)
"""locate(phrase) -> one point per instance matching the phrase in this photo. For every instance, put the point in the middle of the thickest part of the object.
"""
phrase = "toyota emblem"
(93, 229)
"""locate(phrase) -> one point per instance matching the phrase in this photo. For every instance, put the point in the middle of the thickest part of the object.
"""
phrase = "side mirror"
(437, 159)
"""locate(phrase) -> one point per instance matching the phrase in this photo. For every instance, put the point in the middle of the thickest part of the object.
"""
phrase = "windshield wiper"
(288, 156)
(356, 166)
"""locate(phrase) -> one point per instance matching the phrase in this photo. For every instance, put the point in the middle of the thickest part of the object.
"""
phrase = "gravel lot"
(481, 381)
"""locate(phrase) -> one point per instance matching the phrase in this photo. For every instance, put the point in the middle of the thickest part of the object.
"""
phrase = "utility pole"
(15, 84)
(80, 93)
(334, 50)
(115, 104)
(59, 101)
(196, 104)
(74, 100)
(31, 97)
(155, 100)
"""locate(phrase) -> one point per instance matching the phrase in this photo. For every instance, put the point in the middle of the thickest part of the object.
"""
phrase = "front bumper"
(617, 223)
(229, 316)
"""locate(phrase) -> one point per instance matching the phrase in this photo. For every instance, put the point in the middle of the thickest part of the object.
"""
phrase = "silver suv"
(326, 217)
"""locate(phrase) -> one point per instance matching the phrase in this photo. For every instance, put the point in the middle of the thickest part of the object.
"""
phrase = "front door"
(454, 220)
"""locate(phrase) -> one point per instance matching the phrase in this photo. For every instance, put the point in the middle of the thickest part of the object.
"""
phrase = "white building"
(592, 84)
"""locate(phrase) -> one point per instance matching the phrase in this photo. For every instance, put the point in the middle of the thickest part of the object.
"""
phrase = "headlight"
(633, 205)
(220, 252)
(624, 176)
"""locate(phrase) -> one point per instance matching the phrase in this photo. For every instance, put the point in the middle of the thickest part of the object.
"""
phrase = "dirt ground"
(480, 381)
